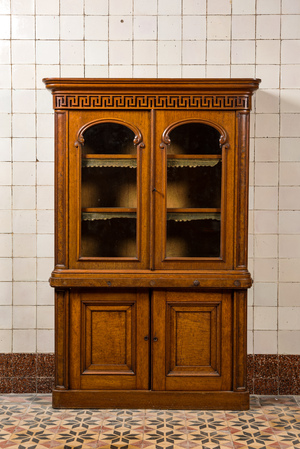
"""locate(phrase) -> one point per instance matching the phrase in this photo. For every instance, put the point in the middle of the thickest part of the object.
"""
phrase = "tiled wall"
(148, 38)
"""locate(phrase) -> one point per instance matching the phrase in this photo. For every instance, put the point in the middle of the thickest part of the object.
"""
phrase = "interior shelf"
(129, 162)
(192, 163)
(193, 214)
(92, 214)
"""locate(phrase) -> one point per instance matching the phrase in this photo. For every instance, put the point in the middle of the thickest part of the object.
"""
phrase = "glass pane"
(114, 237)
(193, 238)
(197, 187)
(108, 192)
(194, 180)
(108, 187)
(194, 138)
(109, 138)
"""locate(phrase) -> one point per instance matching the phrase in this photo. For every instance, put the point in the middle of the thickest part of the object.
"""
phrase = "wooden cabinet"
(151, 242)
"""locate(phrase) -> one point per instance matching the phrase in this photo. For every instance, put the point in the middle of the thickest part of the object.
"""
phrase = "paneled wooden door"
(191, 340)
(109, 337)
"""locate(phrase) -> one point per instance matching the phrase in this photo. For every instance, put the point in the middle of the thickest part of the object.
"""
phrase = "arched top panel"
(109, 137)
(194, 137)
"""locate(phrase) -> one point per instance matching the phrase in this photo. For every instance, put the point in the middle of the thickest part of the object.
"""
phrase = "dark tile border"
(273, 374)
(34, 373)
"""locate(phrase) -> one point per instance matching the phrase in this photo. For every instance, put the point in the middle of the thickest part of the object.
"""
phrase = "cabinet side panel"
(240, 340)
(61, 338)
(61, 189)
(242, 176)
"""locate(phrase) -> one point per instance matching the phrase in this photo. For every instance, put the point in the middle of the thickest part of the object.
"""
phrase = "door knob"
(155, 339)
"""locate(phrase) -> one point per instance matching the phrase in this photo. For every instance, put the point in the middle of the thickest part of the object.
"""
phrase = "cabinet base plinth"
(170, 400)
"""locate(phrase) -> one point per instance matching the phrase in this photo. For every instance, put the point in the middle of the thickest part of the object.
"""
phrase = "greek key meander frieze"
(152, 101)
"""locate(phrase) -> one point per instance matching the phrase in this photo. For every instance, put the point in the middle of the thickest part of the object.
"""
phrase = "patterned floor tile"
(28, 421)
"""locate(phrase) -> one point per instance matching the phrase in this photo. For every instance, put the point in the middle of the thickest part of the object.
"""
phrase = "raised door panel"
(109, 340)
(193, 193)
(192, 340)
(109, 175)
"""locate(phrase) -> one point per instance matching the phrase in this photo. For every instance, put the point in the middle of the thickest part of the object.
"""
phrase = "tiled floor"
(28, 421)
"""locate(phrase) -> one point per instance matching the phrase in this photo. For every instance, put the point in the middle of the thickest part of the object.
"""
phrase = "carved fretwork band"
(99, 101)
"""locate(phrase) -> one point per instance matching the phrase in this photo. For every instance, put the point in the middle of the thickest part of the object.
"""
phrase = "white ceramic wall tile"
(24, 317)
(24, 293)
(268, 27)
(194, 28)
(289, 270)
(265, 294)
(71, 7)
(169, 52)
(45, 317)
(144, 52)
(194, 7)
(5, 27)
(5, 173)
(100, 7)
(219, 7)
(289, 294)
(45, 221)
(145, 27)
(6, 341)
(266, 150)
(47, 8)
(44, 294)
(24, 269)
(23, 149)
(288, 342)
(5, 245)
(23, 125)
(45, 340)
(243, 27)
(22, 27)
(24, 197)
(244, 7)
(6, 294)
(5, 317)
(5, 7)
(243, 52)
(24, 245)
(267, 52)
(5, 221)
(218, 52)
(24, 221)
(47, 27)
(266, 246)
(289, 222)
(289, 149)
(5, 77)
(96, 28)
(24, 340)
(22, 6)
(165, 7)
(193, 52)
(71, 27)
(44, 267)
(96, 52)
(289, 246)
(45, 149)
(265, 270)
(45, 245)
(265, 342)
(77, 38)
(290, 7)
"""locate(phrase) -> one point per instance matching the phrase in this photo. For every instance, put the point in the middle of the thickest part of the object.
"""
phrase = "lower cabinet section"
(141, 348)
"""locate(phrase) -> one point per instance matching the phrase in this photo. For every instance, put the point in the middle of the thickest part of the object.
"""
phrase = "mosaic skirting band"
(34, 373)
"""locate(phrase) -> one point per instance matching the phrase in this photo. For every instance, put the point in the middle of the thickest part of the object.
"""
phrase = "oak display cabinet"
(150, 269)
